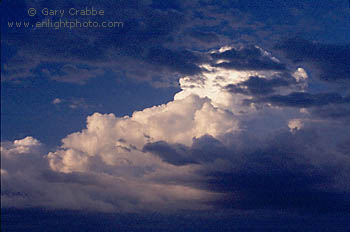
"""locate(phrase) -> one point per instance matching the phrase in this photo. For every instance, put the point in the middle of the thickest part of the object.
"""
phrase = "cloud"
(74, 104)
(336, 112)
(204, 37)
(88, 52)
(175, 154)
(295, 124)
(204, 150)
(76, 73)
(185, 62)
(301, 99)
(109, 153)
(28, 181)
(23, 146)
(288, 172)
(332, 61)
(79, 103)
(247, 58)
(256, 85)
(56, 101)
(158, 39)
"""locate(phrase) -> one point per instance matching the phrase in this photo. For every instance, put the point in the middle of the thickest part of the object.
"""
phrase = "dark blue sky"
(88, 144)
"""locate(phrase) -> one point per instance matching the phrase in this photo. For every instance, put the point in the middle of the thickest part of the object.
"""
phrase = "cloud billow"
(204, 150)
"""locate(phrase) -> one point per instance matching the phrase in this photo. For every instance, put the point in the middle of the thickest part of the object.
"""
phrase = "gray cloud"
(204, 37)
(332, 61)
(302, 99)
(256, 85)
(176, 154)
(204, 149)
(141, 40)
(249, 58)
(281, 172)
(285, 173)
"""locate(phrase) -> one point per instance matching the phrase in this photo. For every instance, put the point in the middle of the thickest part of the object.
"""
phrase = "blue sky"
(202, 112)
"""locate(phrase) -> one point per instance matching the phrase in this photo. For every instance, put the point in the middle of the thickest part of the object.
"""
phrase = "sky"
(175, 115)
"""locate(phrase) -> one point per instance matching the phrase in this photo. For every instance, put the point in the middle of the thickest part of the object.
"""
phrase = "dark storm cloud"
(331, 105)
(262, 91)
(279, 174)
(208, 149)
(337, 112)
(249, 58)
(171, 25)
(282, 189)
(256, 85)
(174, 154)
(183, 61)
(141, 44)
(303, 99)
(204, 37)
(275, 173)
(203, 149)
(333, 61)
(175, 4)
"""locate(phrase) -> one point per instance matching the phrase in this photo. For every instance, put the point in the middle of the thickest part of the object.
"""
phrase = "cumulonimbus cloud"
(204, 148)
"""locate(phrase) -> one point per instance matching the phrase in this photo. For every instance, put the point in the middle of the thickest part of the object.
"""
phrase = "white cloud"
(211, 84)
(79, 103)
(301, 77)
(56, 101)
(75, 73)
(21, 146)
(295, 124)
(27, 181)
(300, 74)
